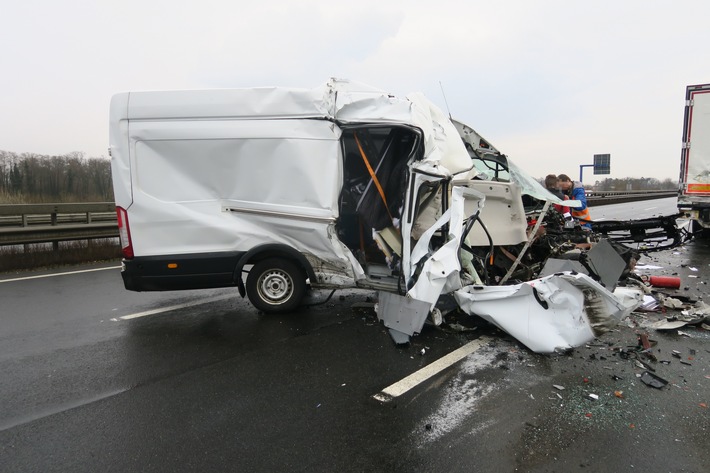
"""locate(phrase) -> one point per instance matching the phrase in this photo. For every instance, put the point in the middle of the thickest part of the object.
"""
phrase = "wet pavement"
(216, 386)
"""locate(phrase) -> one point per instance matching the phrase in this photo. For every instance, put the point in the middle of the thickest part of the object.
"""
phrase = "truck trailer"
(694, 181)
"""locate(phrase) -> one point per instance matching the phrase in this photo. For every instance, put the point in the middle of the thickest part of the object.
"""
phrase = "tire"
(276, 285)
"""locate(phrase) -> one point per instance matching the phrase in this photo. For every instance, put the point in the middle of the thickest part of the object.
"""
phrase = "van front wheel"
(276, 285)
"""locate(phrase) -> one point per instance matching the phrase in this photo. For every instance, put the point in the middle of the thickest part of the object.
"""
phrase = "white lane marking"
(46, 412)
(173, 307)
(59, 274)
(650, 208)
(418, 377)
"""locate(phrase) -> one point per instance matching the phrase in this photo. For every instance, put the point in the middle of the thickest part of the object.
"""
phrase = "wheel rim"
(275, 286)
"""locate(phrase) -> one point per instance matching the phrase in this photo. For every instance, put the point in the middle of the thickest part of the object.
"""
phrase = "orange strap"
(372, 175)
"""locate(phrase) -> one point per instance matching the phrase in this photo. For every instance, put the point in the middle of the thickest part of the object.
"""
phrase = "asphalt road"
(199, 381)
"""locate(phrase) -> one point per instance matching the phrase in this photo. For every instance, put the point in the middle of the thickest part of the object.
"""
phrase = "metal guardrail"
(22, 224)
(619, 197)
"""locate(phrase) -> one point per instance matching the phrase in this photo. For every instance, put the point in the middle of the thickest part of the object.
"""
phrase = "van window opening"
(363, 212)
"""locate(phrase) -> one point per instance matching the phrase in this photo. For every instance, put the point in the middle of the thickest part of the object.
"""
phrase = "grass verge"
(42, 256)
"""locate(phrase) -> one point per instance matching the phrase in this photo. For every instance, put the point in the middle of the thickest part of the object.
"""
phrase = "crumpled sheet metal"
(354, 102)
(440, 273)
(550, 314)
(630, 297)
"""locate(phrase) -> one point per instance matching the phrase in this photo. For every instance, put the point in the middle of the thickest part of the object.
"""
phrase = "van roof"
(340, 100)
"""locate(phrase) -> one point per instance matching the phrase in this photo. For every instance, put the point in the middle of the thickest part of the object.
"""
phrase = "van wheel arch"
(270, 251)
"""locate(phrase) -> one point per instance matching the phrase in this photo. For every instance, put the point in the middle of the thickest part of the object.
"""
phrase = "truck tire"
(276, 285)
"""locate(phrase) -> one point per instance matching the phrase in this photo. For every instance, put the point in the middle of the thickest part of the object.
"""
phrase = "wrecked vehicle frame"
(353, 188)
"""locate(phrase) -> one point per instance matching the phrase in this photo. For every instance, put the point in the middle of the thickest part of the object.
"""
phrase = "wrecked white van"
(331, 187)
(334, 187)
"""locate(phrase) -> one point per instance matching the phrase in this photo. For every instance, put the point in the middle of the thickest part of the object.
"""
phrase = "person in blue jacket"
(575, 191)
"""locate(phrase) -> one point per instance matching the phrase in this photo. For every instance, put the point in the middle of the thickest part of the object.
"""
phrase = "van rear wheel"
(276, 285)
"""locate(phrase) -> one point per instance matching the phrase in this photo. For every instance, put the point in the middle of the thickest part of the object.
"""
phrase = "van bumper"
(179, 272)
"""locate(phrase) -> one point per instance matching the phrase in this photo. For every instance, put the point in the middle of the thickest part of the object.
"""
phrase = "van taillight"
(124, 233)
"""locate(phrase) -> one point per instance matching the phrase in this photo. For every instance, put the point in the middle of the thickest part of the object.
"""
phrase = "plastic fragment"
(703, 405)
(644, 341)
(668, 324)
(672, 302)
(650, 379)
(619, 394)
(558, 387)
(594, 397)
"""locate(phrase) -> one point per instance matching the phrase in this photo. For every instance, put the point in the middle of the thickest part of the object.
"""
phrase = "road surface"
(95, 378)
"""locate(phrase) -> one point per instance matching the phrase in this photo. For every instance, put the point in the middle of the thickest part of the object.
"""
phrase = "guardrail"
(619, 197)
(22, 224)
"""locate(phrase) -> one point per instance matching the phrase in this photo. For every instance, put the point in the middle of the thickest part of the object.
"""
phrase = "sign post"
(602, 165)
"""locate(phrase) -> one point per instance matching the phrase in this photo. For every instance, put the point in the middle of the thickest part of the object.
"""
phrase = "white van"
(333, 187)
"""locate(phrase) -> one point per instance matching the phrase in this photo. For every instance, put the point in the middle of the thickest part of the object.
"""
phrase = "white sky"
(550, 83)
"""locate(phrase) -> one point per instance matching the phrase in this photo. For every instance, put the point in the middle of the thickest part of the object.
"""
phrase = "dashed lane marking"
(59, 274)
(418, 377)
(173, 307)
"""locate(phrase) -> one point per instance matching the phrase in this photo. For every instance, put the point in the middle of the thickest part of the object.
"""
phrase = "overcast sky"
(549, 83)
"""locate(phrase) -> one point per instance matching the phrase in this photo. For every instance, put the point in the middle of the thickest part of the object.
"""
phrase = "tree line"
(636, 184)
(36, 178)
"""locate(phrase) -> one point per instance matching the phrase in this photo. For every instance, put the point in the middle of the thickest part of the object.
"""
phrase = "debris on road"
(650, 379)
(670, 282)
(672, 303)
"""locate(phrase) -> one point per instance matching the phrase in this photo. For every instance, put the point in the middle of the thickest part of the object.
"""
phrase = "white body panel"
(554, 313)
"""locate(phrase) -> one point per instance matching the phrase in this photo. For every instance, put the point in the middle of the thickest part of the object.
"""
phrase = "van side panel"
(209, 189)
(184, 172)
